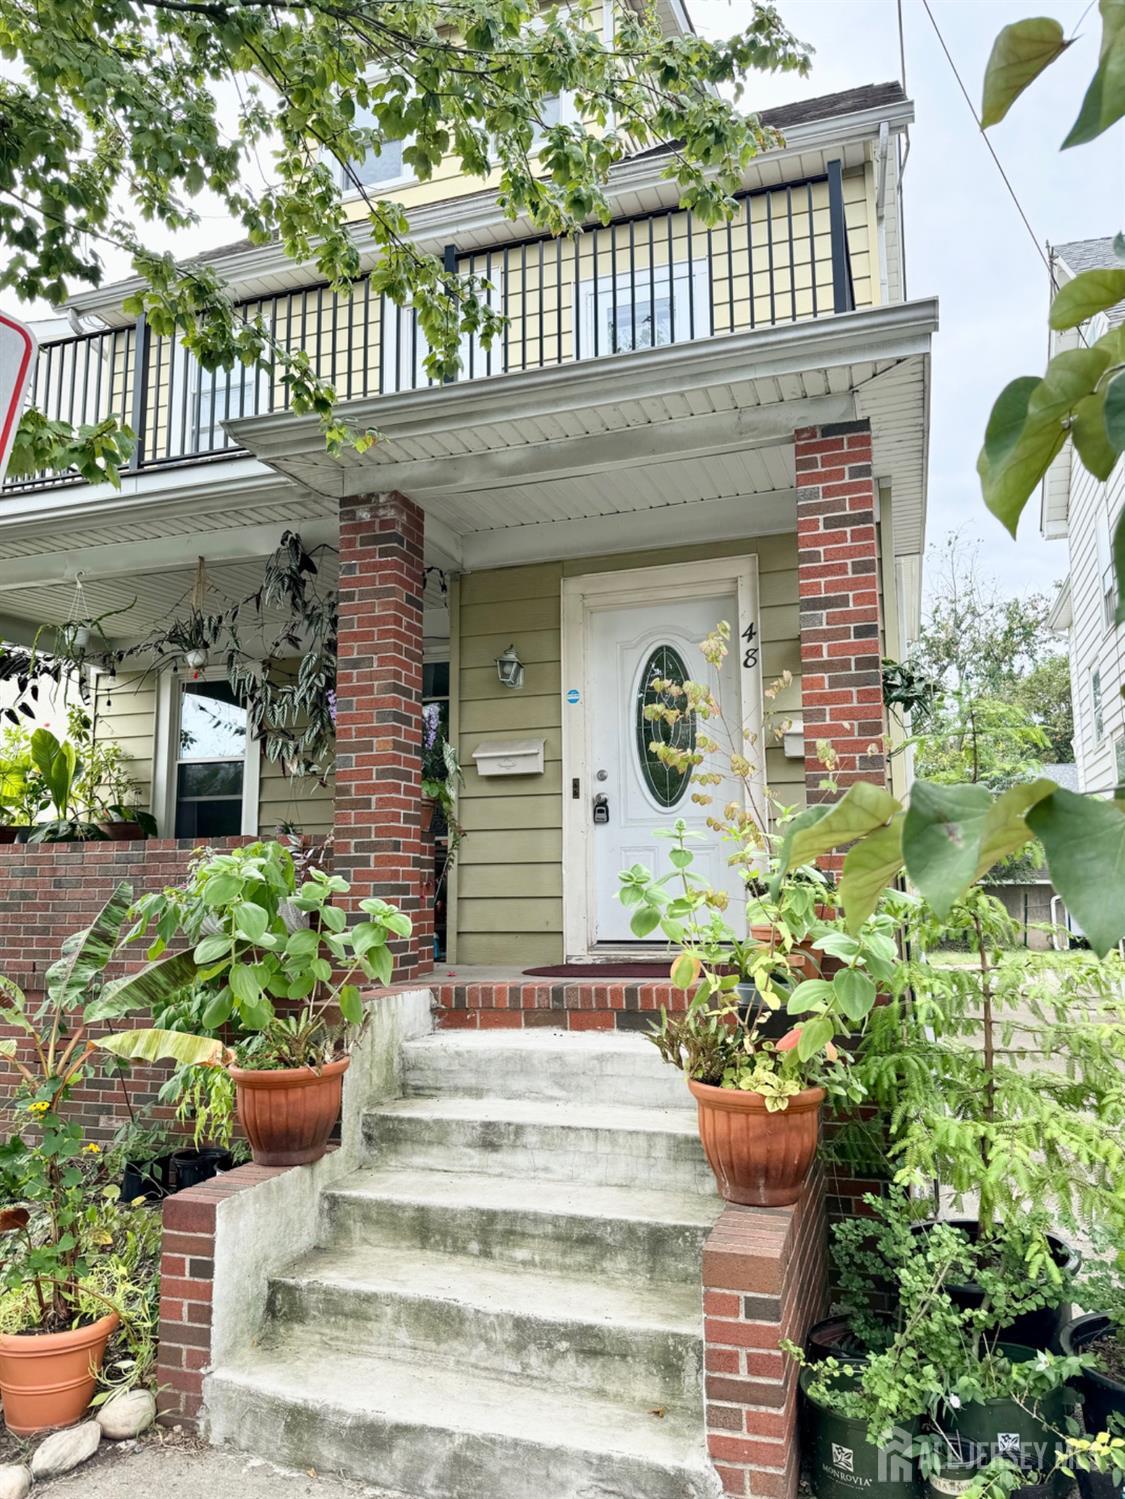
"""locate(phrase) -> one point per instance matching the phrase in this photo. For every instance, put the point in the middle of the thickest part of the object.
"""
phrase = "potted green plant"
(57, 764)
(1100, 1336)
(104, 789)
(142, 1154)
(23, 795)
(291, 991)
(66, 1279)
(921, 1366)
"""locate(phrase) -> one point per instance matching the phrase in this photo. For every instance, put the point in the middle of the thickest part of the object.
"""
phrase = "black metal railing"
(636, 283)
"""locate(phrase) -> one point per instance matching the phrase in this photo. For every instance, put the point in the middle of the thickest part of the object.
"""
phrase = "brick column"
(841, 623)
(765, 1277)
(378, 838)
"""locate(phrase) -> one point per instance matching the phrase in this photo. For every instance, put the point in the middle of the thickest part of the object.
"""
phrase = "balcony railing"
(657, 278)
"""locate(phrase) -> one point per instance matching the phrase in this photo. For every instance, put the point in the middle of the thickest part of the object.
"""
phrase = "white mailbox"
(509, 757)
(793, 741)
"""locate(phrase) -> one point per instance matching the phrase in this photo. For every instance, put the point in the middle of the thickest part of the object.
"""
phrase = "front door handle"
(601, 809)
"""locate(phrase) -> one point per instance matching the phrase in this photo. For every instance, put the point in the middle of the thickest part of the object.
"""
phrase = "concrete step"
(640, 1343)
(566, 1228)
(579, 1067)
(419, 1428)
(602, 1144)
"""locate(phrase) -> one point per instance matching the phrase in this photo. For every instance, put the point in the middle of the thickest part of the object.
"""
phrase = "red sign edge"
(21, 380)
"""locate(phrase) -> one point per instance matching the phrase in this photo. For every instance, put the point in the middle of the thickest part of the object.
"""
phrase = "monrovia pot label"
(841, 1461)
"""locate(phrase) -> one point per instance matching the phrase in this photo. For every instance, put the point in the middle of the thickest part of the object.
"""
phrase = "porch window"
(645, 308)
(215, 765)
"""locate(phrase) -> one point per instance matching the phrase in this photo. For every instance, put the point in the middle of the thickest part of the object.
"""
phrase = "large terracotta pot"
(122, 832)
(759, 1159)
(288, 1114)
(47, 1380)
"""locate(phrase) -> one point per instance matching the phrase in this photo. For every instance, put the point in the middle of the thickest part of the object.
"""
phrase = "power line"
(991, 151)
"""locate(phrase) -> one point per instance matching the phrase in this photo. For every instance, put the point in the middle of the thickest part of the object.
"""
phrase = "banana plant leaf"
(86, 953)
(149, 988)
(164, 1046)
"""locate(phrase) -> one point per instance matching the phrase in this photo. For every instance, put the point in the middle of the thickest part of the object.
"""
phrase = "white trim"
(681, 580)
(165, 760)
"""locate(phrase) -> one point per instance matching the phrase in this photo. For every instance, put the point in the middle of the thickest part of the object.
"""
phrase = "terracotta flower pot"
(288, 1114)
(47, 1380)
(759, 1159)
(122, 832)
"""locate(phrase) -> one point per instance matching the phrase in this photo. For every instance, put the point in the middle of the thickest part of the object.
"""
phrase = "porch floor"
(476, 997)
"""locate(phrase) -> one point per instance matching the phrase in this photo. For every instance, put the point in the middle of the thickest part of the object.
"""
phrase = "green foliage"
(274, 956)
(1002, 1080)
(1033, 417)
(142, 114)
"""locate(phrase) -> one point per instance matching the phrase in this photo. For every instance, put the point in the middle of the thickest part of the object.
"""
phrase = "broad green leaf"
(941, 839)
(244, 985)
(381, 964)
(86, 953)
(149, 988)
(807, 994)
(861, 809)
(855, 993)
(1010, 467)
(221, 889)
(1084, 839)
(1007, 418)
(1088, 293)
(334, 918)
(164, 1046)
(252, 920)
(815, 1036)
(399, 923)
(644, 920)
(351, 1005)
(869, 867)
(1019, 54)
(219, 1009)
(1091, 440)
(303, 944)
(1104, 103)
(1005, 826)
(210, 949)
(1114, 412)
(838, 945)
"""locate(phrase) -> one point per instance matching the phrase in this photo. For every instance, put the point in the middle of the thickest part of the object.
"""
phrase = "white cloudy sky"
(965, 242)
(964, 239)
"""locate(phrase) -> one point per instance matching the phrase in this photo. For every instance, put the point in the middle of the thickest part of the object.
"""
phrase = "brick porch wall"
(48, 891)
(841, 619)
(765, 1277)
(377, 829)
(187, 1270)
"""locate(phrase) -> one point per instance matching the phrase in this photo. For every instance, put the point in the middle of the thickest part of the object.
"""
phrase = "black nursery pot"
(1102, 1397)
(772, 1024)
(1037, 1329)
(192, 1167)
(1001, 1427)
(842, 1462)
(832, 1337)
(149, 1180)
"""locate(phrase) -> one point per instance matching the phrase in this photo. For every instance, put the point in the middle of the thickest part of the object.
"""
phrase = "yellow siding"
(509, 904)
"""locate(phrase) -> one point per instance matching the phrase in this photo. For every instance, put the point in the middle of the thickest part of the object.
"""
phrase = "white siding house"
(1075, 506)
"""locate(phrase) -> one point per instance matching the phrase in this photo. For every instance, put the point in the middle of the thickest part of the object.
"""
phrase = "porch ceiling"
(688, 436)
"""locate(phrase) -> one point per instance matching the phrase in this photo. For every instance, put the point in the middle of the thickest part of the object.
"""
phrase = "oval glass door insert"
(664, 669)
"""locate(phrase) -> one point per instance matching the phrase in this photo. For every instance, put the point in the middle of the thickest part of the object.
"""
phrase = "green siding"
(509, 887)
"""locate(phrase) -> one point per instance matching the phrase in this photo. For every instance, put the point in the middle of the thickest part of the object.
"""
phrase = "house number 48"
(750, 655)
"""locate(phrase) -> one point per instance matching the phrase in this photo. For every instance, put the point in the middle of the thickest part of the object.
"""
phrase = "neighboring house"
(1076, 506)
(680, 426)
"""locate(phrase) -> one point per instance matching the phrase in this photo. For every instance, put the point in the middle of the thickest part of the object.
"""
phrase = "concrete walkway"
(178, 1467)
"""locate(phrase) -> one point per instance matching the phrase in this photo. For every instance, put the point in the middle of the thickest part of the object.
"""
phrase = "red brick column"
(765, 1277)
(378, 838)
(841, 622)
(187, 1269)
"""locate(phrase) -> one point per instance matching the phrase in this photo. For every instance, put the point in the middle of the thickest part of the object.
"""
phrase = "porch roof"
(588, 458)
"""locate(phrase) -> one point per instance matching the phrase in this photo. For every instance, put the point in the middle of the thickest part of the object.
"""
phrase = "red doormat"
(623, 970)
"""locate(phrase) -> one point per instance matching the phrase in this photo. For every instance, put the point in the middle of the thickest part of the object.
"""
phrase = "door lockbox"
(601, 809)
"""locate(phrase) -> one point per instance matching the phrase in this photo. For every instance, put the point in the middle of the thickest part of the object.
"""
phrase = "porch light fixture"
(509, 668)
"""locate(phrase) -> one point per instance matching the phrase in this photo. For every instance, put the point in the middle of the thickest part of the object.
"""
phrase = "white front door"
(631, 636)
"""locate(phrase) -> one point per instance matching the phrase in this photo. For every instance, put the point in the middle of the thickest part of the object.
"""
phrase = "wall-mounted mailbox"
(794, 741)
(509, 757)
